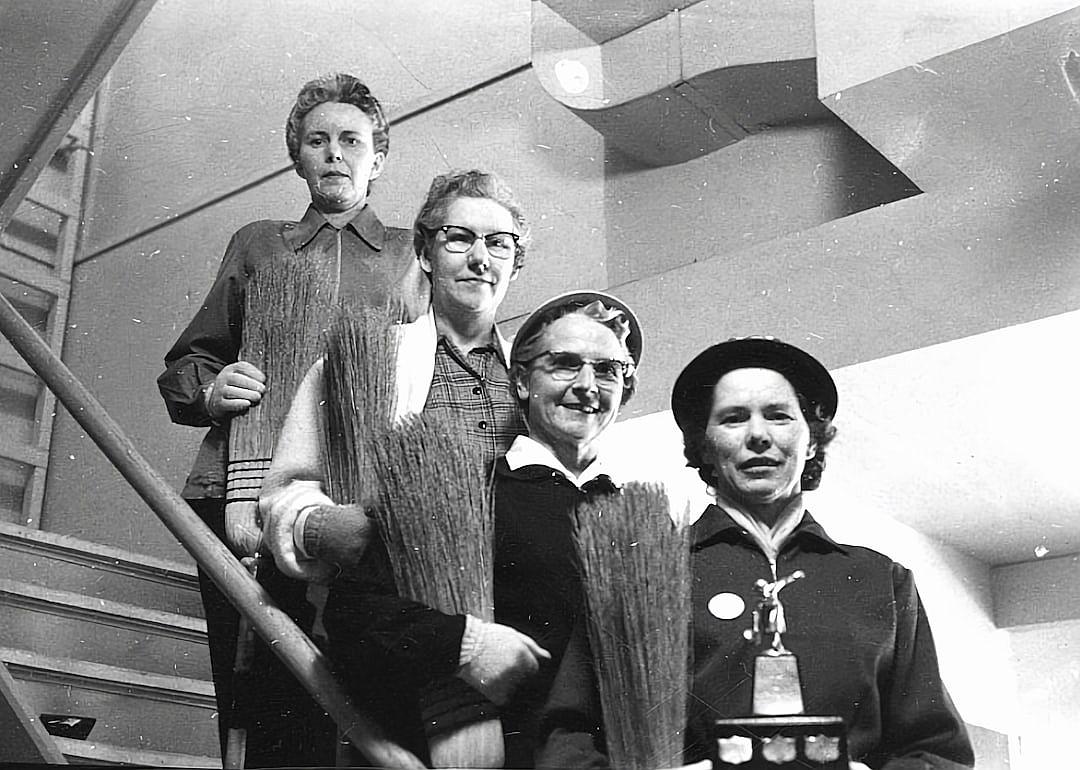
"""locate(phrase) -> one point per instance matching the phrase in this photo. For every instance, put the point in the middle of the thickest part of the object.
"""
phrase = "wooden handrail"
(290, 644)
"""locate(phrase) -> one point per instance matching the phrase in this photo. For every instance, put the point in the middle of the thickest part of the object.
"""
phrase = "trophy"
(777, 735)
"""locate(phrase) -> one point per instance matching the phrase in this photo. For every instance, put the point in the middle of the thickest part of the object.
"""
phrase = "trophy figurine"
(777, 689)
(777, 735)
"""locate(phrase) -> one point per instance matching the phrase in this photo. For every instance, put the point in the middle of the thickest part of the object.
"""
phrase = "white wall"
(1046, 659)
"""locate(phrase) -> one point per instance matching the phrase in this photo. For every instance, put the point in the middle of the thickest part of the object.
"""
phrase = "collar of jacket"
(599, 484)
(365, 224)
(528, 451)
(716, 526)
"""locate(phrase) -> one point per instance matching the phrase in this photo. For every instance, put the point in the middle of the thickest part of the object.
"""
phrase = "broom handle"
(236, 745)
(235, 749)
(289, 643)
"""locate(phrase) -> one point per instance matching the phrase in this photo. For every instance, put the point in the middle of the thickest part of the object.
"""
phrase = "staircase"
(91, 631)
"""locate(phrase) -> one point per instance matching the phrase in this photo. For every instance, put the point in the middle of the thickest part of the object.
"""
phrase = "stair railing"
(290, 644)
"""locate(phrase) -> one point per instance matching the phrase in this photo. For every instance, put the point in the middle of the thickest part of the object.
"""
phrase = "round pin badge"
(726, 606)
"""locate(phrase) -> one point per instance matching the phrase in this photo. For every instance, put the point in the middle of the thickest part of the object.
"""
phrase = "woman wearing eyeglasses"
(573, 364)
(470, 239)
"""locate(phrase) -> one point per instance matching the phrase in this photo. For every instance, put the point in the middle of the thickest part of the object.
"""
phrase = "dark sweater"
(388, 649)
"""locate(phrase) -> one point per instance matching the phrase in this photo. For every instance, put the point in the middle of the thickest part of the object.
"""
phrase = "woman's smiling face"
(571, 413)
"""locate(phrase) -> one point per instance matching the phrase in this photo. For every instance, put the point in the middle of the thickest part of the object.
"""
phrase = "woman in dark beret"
(756, 417)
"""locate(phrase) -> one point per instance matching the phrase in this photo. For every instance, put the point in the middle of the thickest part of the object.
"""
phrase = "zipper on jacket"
(337, 265)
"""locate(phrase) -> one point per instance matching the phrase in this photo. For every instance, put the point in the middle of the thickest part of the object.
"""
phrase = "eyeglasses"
(461, 239)
(609, 372)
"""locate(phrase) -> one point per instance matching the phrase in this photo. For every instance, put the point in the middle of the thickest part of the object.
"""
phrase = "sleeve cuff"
(299, 531)
(207, 394)
(286, 502)
(471, 640)
(448, 704)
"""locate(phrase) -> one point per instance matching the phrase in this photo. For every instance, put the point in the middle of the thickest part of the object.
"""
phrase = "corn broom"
(286, 305)
(437, 522)
(636, 579)
(427, 491)
(436, 516)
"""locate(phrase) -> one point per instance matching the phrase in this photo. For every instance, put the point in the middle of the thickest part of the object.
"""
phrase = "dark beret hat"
(807, 376)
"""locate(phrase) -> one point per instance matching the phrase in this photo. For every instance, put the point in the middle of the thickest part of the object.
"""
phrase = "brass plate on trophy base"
(780, 743)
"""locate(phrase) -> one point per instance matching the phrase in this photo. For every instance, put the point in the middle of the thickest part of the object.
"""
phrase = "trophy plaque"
(777, 735)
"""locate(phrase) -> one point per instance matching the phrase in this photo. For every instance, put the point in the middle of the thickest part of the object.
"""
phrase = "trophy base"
(780, 743)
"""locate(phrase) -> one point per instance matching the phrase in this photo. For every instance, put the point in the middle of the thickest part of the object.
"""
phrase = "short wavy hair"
(338, 87)
(822, 433)
(445, 188)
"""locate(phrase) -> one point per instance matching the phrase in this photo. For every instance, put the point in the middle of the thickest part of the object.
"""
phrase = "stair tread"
(88, 550)
(104, 607)
(104, 672)
(89, 750)
(70, 564)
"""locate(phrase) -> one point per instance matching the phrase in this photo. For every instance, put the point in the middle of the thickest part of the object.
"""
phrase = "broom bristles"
(359, 383)
(286, 307)
(436, 516)
(636, 579)
(432, 501)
